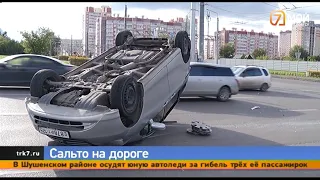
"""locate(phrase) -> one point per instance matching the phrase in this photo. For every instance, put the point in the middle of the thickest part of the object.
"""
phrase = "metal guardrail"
(300, 66)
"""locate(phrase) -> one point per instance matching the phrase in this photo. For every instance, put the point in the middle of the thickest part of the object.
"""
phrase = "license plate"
(54, 132)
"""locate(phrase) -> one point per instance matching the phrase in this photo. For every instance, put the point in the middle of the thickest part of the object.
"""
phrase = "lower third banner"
(162, 164)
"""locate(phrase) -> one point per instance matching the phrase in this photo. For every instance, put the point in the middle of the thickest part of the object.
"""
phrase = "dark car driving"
(18, 70)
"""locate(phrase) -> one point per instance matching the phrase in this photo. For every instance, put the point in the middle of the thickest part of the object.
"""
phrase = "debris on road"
(198, 128)
(255, 107)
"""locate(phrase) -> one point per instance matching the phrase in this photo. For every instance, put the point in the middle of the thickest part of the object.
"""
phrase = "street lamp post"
(217, 37)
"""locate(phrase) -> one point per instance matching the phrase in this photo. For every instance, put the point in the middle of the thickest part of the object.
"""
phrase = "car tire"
(224, 94)
(122, 37)
(264, 87)
(183, 42)
(127, 96)
(38, 85)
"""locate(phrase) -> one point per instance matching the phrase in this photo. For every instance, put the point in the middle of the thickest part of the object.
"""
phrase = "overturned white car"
(114, 98)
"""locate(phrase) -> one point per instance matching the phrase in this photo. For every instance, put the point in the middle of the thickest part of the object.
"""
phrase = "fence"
(300, 66)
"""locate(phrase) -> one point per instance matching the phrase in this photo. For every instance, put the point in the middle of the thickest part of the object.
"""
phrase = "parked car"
(208, 79)
(252, 77)
(121, 96)
(18, 70)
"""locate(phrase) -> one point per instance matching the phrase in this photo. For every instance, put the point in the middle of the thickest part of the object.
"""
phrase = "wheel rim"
(129, 98)
(264, 87)
(224, 94)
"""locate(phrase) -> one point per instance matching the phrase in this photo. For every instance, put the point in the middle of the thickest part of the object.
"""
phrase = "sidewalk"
(297, 78)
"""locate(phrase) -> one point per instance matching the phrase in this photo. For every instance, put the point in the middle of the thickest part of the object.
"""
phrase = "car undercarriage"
(112, 79)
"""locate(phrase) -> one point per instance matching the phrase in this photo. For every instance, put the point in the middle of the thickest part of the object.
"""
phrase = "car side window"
(265, 72)
(42, 62)
(223, 71)
(196, 71)
(252, 72)
(208, 71)
(19, 61)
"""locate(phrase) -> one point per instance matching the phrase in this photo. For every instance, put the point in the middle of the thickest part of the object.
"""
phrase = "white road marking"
(299, 110)
(13, 114)
(241, 97)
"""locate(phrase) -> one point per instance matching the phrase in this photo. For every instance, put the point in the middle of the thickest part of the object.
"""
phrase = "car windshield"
(237, 70)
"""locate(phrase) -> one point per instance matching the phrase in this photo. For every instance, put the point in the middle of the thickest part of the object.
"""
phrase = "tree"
(9, 46)
(227, 51)
(3, 33)
(313, 58)
(259, 53)
(262, 57)
(243, 56)
(41, 41)
(296, 48)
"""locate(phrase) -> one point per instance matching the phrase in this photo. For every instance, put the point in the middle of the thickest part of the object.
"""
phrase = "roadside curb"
(296, 78)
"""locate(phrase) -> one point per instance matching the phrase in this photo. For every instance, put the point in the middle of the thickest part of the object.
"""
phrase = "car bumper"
(98, 127)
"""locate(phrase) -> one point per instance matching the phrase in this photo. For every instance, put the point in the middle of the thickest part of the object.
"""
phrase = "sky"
(65, 19)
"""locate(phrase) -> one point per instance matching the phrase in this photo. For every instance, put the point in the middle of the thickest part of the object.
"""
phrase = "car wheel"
(224, 94)
(127, 96)
(39, 86)
(183, 42)
(122, 37)
(264, 87)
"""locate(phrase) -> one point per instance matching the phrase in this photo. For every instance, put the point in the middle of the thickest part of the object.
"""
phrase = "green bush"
(314, 74)
(287, 73)
(77, 61)
(63, 58)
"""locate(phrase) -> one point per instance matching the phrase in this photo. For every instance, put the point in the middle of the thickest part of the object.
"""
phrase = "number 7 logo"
(279, 14)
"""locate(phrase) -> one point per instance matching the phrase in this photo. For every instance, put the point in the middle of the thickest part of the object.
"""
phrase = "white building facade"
(246, 42)
(284, 43)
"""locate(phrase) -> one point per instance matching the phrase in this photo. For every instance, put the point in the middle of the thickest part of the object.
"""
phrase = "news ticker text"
(159, 164)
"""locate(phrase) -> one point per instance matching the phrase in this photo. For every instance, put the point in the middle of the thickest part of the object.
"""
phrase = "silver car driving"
(252, 77)
(208, 79)
(115, 98)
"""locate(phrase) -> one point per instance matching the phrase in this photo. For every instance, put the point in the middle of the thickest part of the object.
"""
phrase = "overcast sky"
(65, 19)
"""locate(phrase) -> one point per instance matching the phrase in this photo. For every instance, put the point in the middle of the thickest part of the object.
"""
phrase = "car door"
(194, 81)
(16, 72)
(246, 78)
(258, 78)
(39, 63)
(211, 81)
(224, 76)
(252, 78)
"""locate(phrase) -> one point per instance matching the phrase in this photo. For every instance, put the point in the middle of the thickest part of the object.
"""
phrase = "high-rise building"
(304, 35)
(316, 49)
(209, 48)
(90, 27)
(107, 28)
(246, 42)
(284, 43)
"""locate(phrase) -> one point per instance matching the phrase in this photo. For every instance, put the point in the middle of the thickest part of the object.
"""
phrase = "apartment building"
(306, 34)
(71, 46)
(245, 42)
(209, 48)
(284, 43)
(316, 49)
(108, 27)
(92, 15)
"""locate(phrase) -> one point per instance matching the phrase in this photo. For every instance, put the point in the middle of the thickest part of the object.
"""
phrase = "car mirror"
(243, 75)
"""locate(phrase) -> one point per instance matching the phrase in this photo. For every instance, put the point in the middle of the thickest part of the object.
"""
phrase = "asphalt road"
(288, 116)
